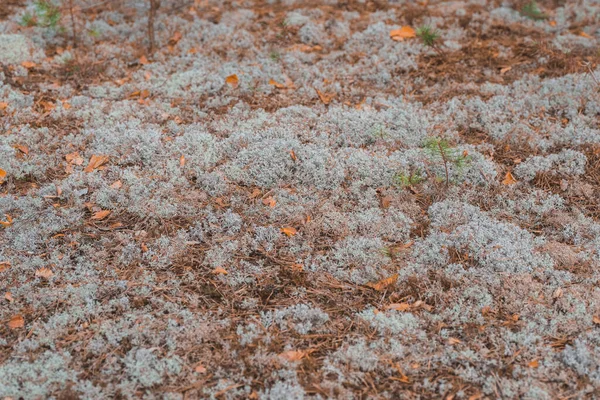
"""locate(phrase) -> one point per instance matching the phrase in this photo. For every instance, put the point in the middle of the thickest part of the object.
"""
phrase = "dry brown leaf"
(200, 369)
(289, 231)
(269, 201)
(3, 105)
(8, 297)
(596, 319)
(509, 179)
(293, 155)
(505, 70)
(44, 273)
(534, 364)
(399, 306)
(74, 158)
(325, 97)
(16, 322)
(585, 35)
(293, 355)
(182, 161)
(66, 105)
(144, 60)
(558, 293)
(384, 283)
(175, 38)
(233, 80)
(8, 222)
(276, 84)
(403, 33)
(4, 265)
(95, 163)
(255, 193)
(2, 176)
(22, 148)
(117, 185)
(28, 64)
(453, 341)
(220, 271)
(100, 215)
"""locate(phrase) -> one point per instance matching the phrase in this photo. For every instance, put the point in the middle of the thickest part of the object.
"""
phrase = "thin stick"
(154, 5)
(73, 28)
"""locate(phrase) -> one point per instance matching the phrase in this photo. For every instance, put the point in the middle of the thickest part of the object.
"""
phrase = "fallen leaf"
(509, 179)
(144, 94)
(505, 70)
(289, 231)
(403, 33)
(66, 105)
(534, 364)
(117, 185)
(220, 271)
(293, 155)
(100, 215)
(8, 222)
(200, 369)
(297, 267)
(144, 60)
(269, 201)
(293, 355)
(325, 97)
(95, 162)
(453, 341)
(175, 38)
(384, 283)
(4, 265)
(386, 201)
(182, 161)
(44, 273)
(8, 297)
(596, 319)
(255, 193)
(399, 306)
(232, 80)
(16, 322)
(552, 23)
(558, 293)
(585, 35)
(276, 84)
(2, 176)
(28, 64)
(3, 105)
(74, 158)
(22, 148)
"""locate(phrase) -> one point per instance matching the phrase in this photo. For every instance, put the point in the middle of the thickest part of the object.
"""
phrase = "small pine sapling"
(46, 14)
(428, 35)
(532, 10)
(440, 148)
(408, 180)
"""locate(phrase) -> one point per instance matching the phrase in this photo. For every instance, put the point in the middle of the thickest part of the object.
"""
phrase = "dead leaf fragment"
(100, 215)
(558, 293)
(293, 155)
(22, 148)
(44, 273)
(8, 297)
(74, 158)
(117, 185)
(182, 161)
(384, 283)
(269, 201)
(4, 265)
(220, 271)
(596, 319)
(452, 341)
(276, 84)
(2, 176)
(289, 231)
(403, 33)
(175, 38)
(293, 355)
(200, 369)
(534, 364)
(233, 80)
(325, 97)
(95, 163)
(144, 60)
(509, 179)
(399, 306)
(28, 64)
(3, 105)
(16, 322)
(8, 222)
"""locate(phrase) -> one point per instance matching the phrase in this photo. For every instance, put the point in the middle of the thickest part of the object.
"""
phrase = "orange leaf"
(585, 35)
(16, 322)
(232, 80)
(220, 271)
(28, 64)
(293, 355)
(44, 273)
(100, 215)
(276, 84)
(8, 222)
(74, 158)
(182, 161)
(116, 185)
(289, 231)
(3, 105)
(95, 162)
(384, 283)
(399, 306)
(596, 319)
(8, 297)
(325, 97)
(509, 179)
(2, 175)
(4, 265)
(552, 23)
(22, 148)
(200, 369)
(534, 364)
(66, 105)
(144, 60)
(269, 201)
(293, 155)
(453, 341)
(403, 33)
(175, 38)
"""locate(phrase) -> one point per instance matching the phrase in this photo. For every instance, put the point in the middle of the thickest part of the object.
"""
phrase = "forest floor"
(298, 199)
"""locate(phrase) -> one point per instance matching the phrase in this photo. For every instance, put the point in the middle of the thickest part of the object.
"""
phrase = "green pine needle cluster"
(428, 35)
(441, 150)
(532, 10)
(46, 14)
